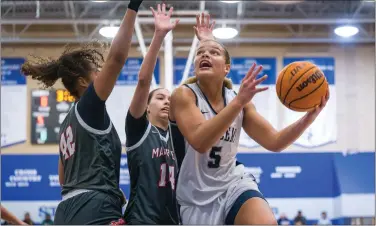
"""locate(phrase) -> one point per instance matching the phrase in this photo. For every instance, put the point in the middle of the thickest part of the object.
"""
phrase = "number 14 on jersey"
(163, 180)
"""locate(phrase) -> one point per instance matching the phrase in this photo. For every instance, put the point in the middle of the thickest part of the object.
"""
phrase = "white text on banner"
(13, 102)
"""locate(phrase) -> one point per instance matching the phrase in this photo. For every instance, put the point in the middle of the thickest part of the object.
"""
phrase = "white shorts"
(217, 211)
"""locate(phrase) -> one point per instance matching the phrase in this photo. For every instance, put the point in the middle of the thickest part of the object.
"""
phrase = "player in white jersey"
(212, 188)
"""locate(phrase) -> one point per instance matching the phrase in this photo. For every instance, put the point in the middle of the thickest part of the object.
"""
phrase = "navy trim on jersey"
(230, 218)
(207, 101)
(193, 93)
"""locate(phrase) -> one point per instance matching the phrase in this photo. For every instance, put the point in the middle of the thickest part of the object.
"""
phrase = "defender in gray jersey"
(152, 161)
(89, 146)
(212, 188)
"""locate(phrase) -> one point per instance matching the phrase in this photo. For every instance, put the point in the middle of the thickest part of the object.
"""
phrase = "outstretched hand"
(248, 87)
(204, 28)
(162, 19)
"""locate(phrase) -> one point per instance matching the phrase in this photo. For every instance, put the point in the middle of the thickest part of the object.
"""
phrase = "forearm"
(122, 41)
(148, 64)
(8, 216)
(209, 132)
(291, 133)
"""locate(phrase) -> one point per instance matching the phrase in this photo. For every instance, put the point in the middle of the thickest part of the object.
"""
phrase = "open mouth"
(205, 64)
(166, 109)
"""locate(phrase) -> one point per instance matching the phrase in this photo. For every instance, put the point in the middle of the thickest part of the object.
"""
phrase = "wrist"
(238, 103)
(134, 5)
(160, 33)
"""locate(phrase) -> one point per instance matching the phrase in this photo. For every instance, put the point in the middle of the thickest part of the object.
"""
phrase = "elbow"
(275, 147)
(200, 146)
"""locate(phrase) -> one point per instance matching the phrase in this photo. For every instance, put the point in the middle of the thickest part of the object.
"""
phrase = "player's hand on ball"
(315, 112)
(248, 87)
(162, 19)
(203, 28)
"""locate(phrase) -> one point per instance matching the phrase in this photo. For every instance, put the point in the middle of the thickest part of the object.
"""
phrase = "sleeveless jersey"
(91, 157)
(204, 177)
(153, 170)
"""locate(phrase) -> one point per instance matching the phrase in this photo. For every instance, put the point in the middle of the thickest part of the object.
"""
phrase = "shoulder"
(183, 93)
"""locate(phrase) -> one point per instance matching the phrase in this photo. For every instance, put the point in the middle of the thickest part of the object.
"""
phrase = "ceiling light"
(346, 31)
(281, 2)
(230, 1)
(225, 32)
(109, 32)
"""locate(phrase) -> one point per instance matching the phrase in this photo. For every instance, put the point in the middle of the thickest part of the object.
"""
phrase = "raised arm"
(203, 28)
(162, 27)
(260, 130)
(118, 53)
(203, 134)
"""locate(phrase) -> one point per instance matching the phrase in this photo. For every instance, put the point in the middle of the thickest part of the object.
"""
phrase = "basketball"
(301, 85)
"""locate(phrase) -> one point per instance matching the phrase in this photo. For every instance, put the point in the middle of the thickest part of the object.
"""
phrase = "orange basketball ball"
(300, 86)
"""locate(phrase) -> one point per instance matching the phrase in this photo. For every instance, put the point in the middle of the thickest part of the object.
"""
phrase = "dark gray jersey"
(91, 157)
(153, 170)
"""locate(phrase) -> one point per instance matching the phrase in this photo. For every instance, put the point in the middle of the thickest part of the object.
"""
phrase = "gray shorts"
(91, 207)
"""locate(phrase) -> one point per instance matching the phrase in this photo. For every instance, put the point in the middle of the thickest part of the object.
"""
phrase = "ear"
(227, 68)
(83, 82)
(147, 110)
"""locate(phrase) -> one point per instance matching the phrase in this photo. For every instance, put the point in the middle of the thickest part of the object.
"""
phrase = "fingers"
(175, 23)
(197, 20)
(252, 73)
(170, 11)
(260, 80)
(212, 26)
(152, 11)
(164, 9)
(202, 20)
(258, 90)
(207, 20)
(159, 8)
(249, 73)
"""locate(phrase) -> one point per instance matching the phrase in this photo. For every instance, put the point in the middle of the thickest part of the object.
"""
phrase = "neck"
(212, 90)
(163, 124)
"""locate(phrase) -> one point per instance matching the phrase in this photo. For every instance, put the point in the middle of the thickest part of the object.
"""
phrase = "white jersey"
(205, 177)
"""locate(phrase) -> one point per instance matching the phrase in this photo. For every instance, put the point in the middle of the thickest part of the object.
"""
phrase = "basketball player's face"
(159, 105)
(210, 60)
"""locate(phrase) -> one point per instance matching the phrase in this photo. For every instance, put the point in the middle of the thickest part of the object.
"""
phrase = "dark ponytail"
(70, 66)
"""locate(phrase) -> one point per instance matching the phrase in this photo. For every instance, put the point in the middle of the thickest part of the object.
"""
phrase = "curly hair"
(71, 65)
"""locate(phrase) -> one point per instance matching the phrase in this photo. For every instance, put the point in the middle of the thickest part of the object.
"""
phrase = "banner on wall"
(323, 130)
(13, 102)
(118, 102)
(265, 102)
(179, 66)
(290, 182)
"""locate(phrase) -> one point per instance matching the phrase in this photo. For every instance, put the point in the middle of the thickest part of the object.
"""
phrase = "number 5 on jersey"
(67, 144)
(215, 156)
(163, 177)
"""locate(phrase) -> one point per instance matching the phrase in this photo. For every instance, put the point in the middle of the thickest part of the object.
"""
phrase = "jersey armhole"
(174, 122)
(89, 128)
(193, 93)
(138, 144)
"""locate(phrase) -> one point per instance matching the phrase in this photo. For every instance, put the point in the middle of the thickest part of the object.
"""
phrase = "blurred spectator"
(300, 219)
(27, 219)
(47, 220)
(324, 219)
(283, 220)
